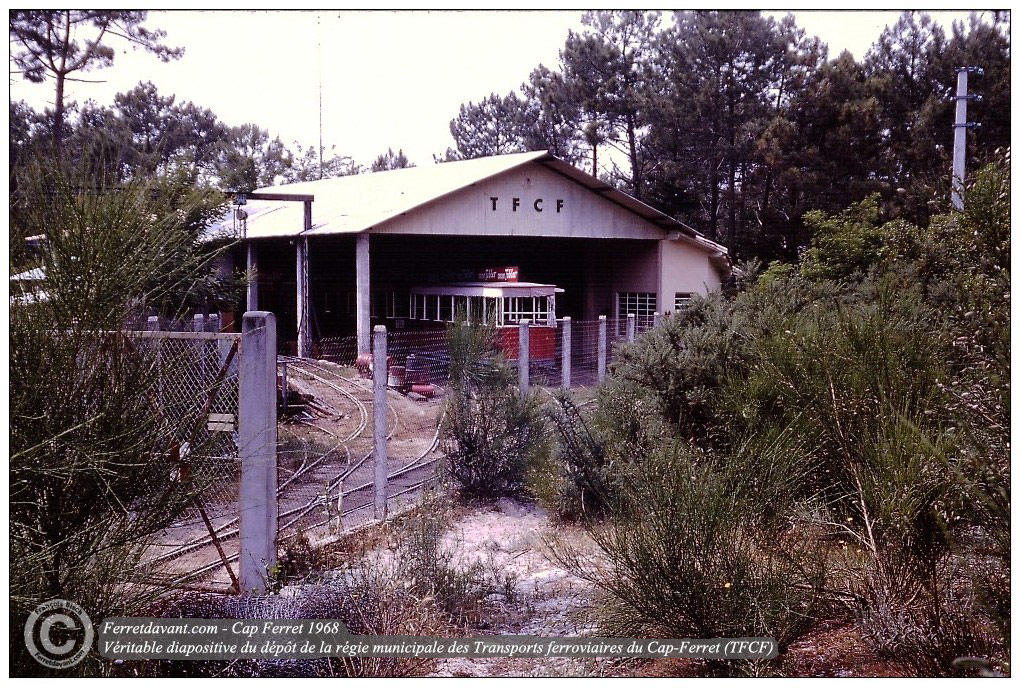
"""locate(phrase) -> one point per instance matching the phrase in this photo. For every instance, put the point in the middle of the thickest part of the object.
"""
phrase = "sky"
(388, 79)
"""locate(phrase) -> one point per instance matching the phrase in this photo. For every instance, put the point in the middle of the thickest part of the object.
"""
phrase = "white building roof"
(30, 275)
(358, 203)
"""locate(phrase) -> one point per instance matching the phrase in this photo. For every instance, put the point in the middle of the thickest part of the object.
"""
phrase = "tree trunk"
(61, 74)
(714, 208)
(731, 108)
(58, 115)
(635, 169)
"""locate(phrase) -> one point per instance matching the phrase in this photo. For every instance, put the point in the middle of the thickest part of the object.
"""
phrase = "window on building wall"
(377, 304)
(681, 300)
(397, 305)
(418, 309)
(641, 304)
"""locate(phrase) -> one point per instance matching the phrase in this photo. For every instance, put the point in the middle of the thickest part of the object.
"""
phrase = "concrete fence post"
(257, 448)
(200, 348)
(602, 349)
(152, 324)
(631, 327)
(565, 355)
(363, 292)
(656, 319)
(379, 374)
(523, 355)
(223, 345)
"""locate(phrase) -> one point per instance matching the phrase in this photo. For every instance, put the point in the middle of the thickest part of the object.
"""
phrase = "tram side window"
(445, 307)
(492, 311)
(525, 308)
(476, 310)
(460, 307)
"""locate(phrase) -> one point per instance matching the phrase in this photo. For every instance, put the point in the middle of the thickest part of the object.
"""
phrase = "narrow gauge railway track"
(410, 477)
(229, 529)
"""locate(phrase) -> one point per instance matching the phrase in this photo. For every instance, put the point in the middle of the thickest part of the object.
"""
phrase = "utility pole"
(960, 127)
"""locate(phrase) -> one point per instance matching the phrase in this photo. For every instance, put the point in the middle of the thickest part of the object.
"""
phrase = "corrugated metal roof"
(359, 202)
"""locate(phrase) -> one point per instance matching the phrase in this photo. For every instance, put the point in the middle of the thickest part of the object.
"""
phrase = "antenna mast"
(318, 27)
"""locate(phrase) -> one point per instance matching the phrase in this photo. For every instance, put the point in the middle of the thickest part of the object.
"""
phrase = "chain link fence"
(326, 454)
(196, 392)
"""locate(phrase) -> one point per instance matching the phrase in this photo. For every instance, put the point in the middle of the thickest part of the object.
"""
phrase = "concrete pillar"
(303, 324)
(565, 355)
(363, 293)
(379, 374)
(656, 319)
(631, 327)
(602, 349)
(152, 323)
(213, 323)
(257, 448)
(523, 355)
(253, 273)
(199, 347)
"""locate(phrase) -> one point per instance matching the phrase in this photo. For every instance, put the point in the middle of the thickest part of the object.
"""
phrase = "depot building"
(514, 237)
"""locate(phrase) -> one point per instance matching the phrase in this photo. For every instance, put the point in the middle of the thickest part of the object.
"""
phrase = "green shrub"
(843, 244)
(683, 556)
(865, 398)
(683, 362)
(92, 463)
(596, 451)
(585, 486)
(431, 569)
(492, 434)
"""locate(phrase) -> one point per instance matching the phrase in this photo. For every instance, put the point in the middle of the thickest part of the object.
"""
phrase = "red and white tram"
(503, 304)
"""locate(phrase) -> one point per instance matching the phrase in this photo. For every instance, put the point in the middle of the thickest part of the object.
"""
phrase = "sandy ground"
(512, 537)
(551, 602)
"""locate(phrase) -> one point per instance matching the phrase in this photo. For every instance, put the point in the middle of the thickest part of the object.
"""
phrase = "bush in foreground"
(492, 434)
